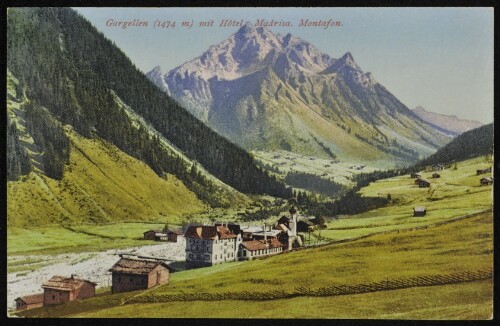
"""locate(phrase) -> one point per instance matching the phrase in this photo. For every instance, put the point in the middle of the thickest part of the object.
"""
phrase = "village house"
(248, 232)
(436, 175)
(266, 234)
(173, 234)
(483, 171)
(61, 289)
(419, 211)
(259, 248)
(156, 235)
(29, 301)
(208, 245)
(130, 274)
(486, 181)
(288, 225)
(422, 183)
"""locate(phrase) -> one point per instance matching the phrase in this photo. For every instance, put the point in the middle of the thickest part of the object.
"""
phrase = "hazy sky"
(440, 58)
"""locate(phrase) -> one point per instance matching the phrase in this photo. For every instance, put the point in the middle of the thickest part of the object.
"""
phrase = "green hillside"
(475, 142)
(74, 76)
(128, 190)
(456, 193)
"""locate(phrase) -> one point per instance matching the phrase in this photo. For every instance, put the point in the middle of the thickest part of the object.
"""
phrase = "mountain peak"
(246, 29)
(348, 60)
(157, 69)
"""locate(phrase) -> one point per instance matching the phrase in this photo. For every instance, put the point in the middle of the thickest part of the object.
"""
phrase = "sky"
(439, 58)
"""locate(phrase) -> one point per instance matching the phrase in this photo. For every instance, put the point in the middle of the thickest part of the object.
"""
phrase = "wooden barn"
(419, 211)
(130, 274)
(483, 171)
(422, 183)
(486, 181)
(415, 175)
(156, 235)
(61, 289)
(172, 235)
(150, 235)
(29, 301)
(436, 175)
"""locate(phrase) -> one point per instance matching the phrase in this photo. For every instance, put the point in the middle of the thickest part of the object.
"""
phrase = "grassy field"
(54, 239)
(456, 193)
(463, 301)
(437, 250)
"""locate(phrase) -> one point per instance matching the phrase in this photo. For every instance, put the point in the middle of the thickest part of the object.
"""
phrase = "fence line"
(332, 290)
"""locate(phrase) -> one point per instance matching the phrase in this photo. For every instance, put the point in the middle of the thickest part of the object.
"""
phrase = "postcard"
(290, 163)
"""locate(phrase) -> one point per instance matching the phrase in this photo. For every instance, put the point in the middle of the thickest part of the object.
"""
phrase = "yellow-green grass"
(455, 247)
(101, 185)
(451, 302)
(456, 193)
(53, 239)
(433, 251)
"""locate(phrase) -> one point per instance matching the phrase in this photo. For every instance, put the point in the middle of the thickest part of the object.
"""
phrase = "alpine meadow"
(258, 174)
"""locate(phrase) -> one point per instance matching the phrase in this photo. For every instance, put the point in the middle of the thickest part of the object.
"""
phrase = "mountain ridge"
(450, 124)
(103, 96)
(265, 91)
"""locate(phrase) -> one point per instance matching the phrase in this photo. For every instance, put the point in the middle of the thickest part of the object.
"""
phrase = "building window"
(53, 297)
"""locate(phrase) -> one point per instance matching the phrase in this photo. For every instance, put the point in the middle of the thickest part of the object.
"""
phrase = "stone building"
(208, 245)
(259, 248)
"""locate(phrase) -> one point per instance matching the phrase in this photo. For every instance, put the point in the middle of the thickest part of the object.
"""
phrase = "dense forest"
(18, 162)
(314, 183)
(72, 70)
(50, 137)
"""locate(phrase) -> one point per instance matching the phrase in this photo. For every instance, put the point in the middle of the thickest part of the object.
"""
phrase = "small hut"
(483, 171)
(422, 183)
(486, 181)
(29, 301)
(150, 235)
(419, 211)
(415, 175)
(61, 289)
(436, 175)
(130, 274)
(173, 234)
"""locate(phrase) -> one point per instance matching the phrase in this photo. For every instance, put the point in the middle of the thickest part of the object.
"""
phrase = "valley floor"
(450, 248)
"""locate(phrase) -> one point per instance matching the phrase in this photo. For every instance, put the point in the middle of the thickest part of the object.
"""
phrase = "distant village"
(206, 245)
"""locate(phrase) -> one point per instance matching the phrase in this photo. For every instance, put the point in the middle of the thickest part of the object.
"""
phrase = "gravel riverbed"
(92, 266)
